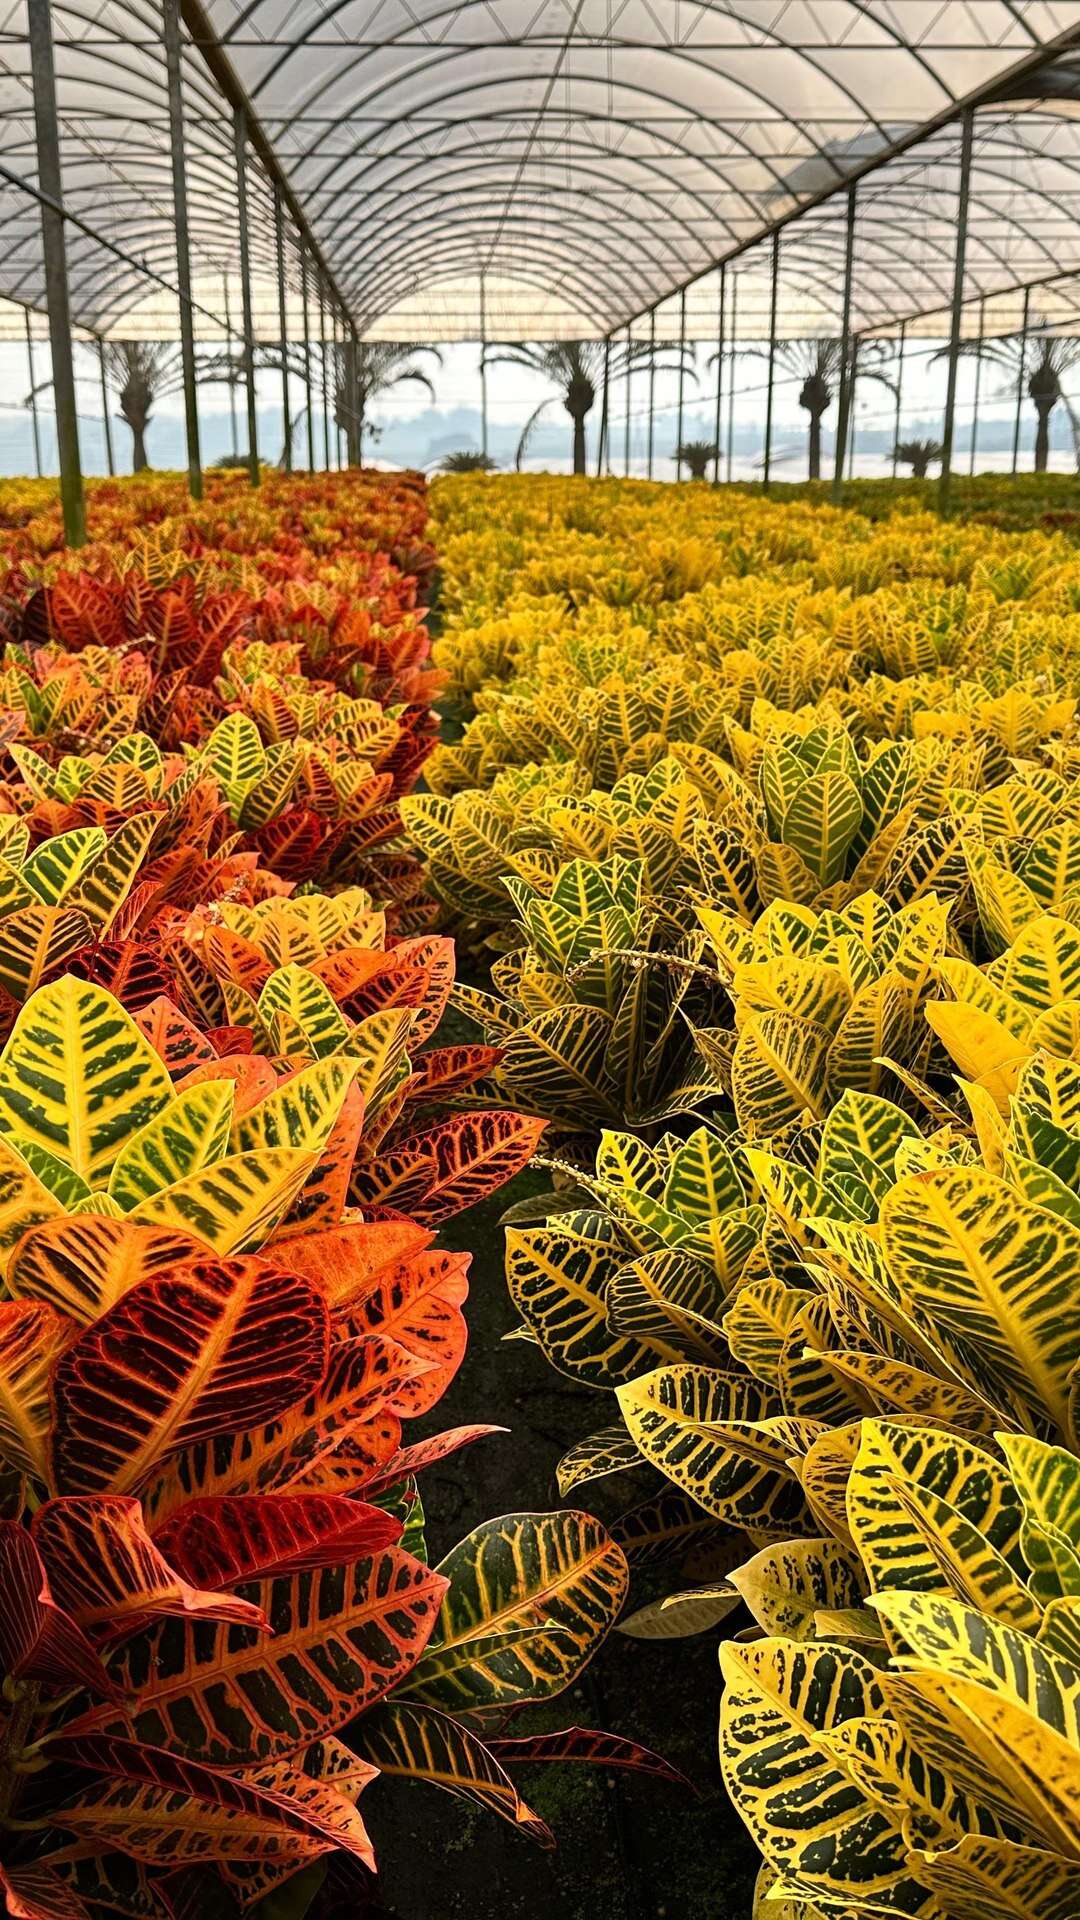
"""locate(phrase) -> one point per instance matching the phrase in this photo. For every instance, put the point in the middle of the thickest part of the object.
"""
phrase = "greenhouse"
(540, 960)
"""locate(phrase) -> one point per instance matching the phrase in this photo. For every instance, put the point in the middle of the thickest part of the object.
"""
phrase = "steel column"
(767, 463)
(602, 448)
(731, 374)
(967, 133)
(852, 428)
(34, 423)
(847, 370)
(978, 383)
(719, 379)
(682, 385)
(309, 408)
(483, 369)
(54, 244)
(109, 462)
(325, 388)
(240, 131)
(171, 20)
(899, 395)
(626, 424)
(1020, 379)
(652, 390)
(232, 369)
(283, 325)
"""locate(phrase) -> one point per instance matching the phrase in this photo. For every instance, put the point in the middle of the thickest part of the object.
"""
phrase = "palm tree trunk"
(815, 445)
(1042, 435)
(139, 461)
(579, 442)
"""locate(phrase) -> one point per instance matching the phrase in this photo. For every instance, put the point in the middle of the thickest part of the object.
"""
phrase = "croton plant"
(226, 1143)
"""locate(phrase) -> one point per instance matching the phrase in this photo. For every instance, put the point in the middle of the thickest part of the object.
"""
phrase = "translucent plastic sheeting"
(547, 168)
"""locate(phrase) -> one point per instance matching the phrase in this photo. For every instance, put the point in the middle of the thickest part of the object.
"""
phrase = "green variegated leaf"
(994, 1270)
(301, 995)
(191, 1133)
(530, 1597)
(684, 1419)
(822, 822)
(785, 1585)
(55, 867)
(611, 1450)
(557, 1066)
(779, 1073)
(1048, 1482)
(559, 1282)
(79, 1078)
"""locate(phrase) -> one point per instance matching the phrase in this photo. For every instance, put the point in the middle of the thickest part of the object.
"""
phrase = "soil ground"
(628, 1848)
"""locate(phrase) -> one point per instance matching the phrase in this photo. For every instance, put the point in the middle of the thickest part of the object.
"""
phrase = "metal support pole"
(719, 379)
(483, 369)
(325, 386)
(626, 423)
(652, 390)
(235, 433)
(602, 448)
(240, 130)
(847, 370)
(1020, 379)
(50, 181)
(356, 398)
(767, 463)
(283, 326)
(682, 385)
(967, 131)
(852, 421)
(731, 374)
(109, 462)
(309, 408)
(335, 376)
(899, 395)
(978, 383)
(171, 19)
(35, 426)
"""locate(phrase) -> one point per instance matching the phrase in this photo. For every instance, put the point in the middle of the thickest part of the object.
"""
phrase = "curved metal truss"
(566, 166)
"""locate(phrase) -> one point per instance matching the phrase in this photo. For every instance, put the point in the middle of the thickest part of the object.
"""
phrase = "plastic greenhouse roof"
(559, 167)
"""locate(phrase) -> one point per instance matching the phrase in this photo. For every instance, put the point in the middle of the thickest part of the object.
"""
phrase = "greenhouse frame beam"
(47, 129)
(964, 188)
(241, 137)
(988, 93)
(174, 81)
(209, 46)
(846, 394)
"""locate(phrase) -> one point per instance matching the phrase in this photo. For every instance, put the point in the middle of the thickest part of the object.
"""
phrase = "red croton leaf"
(86, 1264)
(32, 1335)
(177, 1040)
(597, 1749)
(340, 1638)
(426, 1453)
(331, 1443)
(419, 1306)
(38, 1640)
(217, 1347)
(106, 1571)
(165, 1809)
(221, 1542)
(450, 1166)
(345, 1262)
(450, 1070)
(36, 1893)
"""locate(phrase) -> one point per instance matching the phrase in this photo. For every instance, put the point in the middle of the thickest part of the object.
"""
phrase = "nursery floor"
(628, 1848)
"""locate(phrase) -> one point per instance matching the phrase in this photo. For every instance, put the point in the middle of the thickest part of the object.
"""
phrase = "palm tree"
(817, 365)
(367, 368)
(143, 372)
(698, 456)
(1042, 378)
(918, 454)
(576, 368)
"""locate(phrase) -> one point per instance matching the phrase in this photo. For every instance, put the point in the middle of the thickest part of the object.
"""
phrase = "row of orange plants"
(228, 1132)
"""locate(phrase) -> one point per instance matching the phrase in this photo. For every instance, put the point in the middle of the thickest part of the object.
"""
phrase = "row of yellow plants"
(763, 826)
